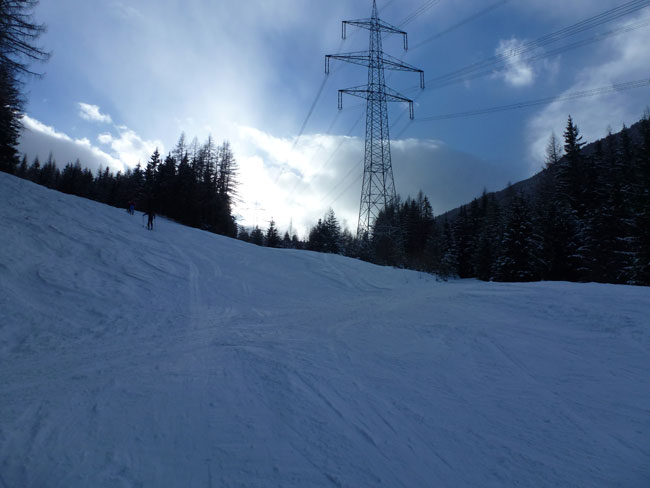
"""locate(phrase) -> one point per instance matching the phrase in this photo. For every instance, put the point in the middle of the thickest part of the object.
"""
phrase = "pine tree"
(272, 238)
(331, 234)
(573, 184)
(448, 266)
(18, 33)
(641, 274)
(243, 234)
(570, 171)
(286, 240)
(488, 228)
(257, 236)
(464, 240)
(386, 237)
(49, 174)
(166, 186)
(519, 247)
(22, 169)
(34, 171)
(151, 186)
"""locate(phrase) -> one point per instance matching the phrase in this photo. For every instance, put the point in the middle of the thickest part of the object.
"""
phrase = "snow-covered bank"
(177, 358)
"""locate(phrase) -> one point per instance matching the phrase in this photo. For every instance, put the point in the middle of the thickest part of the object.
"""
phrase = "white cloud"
(126, 149)
(105, 138)
(129, 147)
(621, 59)
(518, 72)
(92, 113)
(38, 139)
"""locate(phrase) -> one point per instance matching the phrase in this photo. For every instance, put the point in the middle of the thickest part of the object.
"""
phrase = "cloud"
(126, 12)
(129, 147)
(518, 72)
(38, 139)
(301, 183)
(621, 59)
(92, 113)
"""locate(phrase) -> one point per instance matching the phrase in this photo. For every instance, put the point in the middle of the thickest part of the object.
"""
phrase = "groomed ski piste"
(178, 358)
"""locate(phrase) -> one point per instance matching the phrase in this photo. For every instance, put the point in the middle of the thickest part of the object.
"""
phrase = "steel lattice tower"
(378, 190)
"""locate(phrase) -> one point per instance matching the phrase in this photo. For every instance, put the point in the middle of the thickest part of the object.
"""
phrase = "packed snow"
(178, 358)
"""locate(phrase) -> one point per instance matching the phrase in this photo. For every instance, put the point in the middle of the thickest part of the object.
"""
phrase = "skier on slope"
(151, 215)
(150, 218)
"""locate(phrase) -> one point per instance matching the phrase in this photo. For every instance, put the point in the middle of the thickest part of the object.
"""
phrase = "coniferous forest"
(195, 184)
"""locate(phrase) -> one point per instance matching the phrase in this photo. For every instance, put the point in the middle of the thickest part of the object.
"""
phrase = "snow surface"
(177, 358)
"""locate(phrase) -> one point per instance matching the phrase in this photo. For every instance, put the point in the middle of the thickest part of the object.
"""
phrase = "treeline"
(326, 236)
(586, 219)
(195, 184)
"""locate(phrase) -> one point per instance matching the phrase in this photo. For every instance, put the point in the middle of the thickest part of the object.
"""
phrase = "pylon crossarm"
(374, 24)
(378, 24)
(358, 91)
(362, 58)
(395, 64)
(393, 96)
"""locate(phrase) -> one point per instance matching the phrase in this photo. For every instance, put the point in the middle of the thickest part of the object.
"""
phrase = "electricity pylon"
(378, 190)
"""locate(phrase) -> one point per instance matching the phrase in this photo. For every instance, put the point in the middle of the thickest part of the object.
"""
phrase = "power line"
(630, 85)
(462, 74)
(353, 167)
(346, 188)
(548, 54)
(399, 118)
(331, 157)
(310, 112)
(419, 12)
(607, 16)
(503, 108)
(463, 22)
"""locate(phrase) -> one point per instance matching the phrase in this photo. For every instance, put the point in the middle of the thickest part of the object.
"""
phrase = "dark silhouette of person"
(150, 218)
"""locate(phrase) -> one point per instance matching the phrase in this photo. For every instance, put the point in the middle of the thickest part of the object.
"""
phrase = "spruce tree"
(18, 34)
(448, 266)
(272, 238)
(257, 236)
(641, 274)
(519, 247)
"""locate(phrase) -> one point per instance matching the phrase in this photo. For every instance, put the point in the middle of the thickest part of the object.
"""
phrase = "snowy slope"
(177, 358)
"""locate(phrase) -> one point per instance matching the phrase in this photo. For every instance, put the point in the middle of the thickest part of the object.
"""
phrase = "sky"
(127, 77)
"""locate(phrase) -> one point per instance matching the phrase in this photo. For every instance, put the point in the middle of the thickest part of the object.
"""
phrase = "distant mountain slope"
(182, 358)
(527, 186)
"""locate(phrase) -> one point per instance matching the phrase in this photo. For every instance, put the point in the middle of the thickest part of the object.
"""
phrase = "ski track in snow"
(175, 357)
